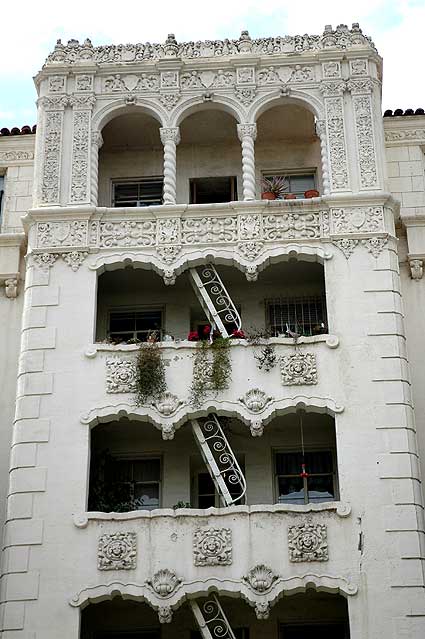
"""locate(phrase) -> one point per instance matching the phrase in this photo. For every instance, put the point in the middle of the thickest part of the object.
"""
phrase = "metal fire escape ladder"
(219, 459)
(214, 298)
(211, 620)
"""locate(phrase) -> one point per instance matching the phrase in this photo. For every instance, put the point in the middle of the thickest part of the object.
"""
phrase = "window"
(135, 482)
(206, 495)
(140, 634)
(314, 631)
(128, 325)
(319, 485)
(213, 189)
(298, 183)
(143, 192)
(240, 633)
(304, 315)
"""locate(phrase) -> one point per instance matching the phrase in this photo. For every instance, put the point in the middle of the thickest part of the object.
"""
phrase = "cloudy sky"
(30, 29)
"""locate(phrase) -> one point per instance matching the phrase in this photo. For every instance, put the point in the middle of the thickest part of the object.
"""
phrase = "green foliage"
(264, 352)
(150, 373)
(105, 495)
(212, 369)
(182, 504)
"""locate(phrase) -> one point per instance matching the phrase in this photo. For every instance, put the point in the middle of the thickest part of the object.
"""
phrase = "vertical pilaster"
(96, 144)
(80, 187)
(54, 108)
(170, 137)
(321, 132)
(361, 92)
(247, 135)
(332, 91)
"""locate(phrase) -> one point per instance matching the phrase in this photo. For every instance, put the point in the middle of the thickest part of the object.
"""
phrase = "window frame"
(294, 301)
(202, 470)
(131, 457)
(288, 173)
(136, 180)
(344, 625)
(312, 449)
(135, 309)
(233, 187)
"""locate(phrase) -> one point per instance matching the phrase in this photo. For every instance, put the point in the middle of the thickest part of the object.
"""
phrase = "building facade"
(218, 424)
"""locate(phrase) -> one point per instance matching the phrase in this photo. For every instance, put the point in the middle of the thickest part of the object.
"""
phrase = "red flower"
(238, 334)
(193, 336)
(206, 330)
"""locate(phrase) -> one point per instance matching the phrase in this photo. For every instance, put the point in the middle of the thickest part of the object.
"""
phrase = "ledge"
(342, 509)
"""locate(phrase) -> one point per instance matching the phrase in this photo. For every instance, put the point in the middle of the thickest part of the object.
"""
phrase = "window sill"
(331, 341)
(342, 509)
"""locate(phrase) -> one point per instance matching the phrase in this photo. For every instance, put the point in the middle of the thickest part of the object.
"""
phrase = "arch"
(114, 109)
(267, 101)
(197, 103)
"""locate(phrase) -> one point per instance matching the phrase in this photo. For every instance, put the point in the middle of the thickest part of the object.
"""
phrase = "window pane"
(146, 470)
(206, 501)
(121, 322)
(288, 463)
(216, 189)
(316, 631)
(301, 183)
(146, 496)
(320, 488)
(319, 462)
(205, 484)
(148, 320)
(122, 471)
(291, 490)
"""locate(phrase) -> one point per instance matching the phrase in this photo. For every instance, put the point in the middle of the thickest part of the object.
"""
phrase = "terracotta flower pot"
(268, 195)
(311, 193)
(289, 196)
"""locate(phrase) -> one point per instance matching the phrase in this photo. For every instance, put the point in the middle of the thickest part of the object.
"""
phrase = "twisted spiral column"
(170, 137)
(96, 143)
(321, 132)
(247, 134)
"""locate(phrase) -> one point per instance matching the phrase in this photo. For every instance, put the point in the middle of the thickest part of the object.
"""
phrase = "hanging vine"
(212, 369)
(150, 371)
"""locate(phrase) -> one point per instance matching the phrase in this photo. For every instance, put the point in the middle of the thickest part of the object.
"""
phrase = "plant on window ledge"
(182, 504)
(264, 353)
(150, 371)
(211, 369)
(106, 496)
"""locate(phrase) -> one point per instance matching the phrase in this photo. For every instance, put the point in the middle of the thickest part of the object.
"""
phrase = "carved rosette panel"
(121, 376)
(79, 190)
(308, 542)
(368, 219)
(298, 369)
(362, 105)
(290, 226)
(337, 147)
(62, 234)
(212, 547)
(117, 551)
(50, 186)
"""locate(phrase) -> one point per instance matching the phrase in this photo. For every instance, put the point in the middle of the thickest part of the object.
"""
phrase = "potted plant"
(311, 193)
(274, 188)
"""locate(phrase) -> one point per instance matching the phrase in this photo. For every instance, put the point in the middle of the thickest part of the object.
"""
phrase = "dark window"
(298, 183)
(144, 192)
(1, 194)
(136, 481)
(207, 495)
(319, 485)
(240, 633)
(314, 631)
(304, 315)
(130, 325)
(213, 189)
(140, 634)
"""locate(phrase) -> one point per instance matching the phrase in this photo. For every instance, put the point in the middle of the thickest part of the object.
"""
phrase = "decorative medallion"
(212, 547)
(308, 542)
(298, 369)
(121, 376)
(117, 551)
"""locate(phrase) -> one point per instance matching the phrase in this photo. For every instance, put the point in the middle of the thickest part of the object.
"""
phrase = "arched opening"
(208, 158)
(288, 147)
(131, 162)
(133, 468)
(289, 297)
(308, 615)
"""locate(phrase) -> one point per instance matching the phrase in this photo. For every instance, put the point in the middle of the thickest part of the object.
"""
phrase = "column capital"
(247, 130)
(171, 134)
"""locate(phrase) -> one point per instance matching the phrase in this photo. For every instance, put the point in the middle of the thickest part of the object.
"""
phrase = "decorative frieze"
(402, 135)
(15, 156)
(337, 148)
(291, 226)
(366, 155)
(117, 551)
(308, 542)
(121, 376)
(62, 234)
(212, 547)
(79, 189)
(50, 185)
(298, 369)
(367, 219)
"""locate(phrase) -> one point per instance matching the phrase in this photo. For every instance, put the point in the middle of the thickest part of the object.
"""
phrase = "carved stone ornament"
(346, 245)
(245, 96)
(14, 156)
(405, 134)
(165, 614)
(117, 551)
(74, 259)
(358, 67)
(250, 250)
(121, 376)
(375, 245)
(331, 69)
(255, 400)
(362, 105)
(169, 100)
(45, 260)
(368, 219)
(308, 542)
(416, 268)
(50, 185)
(167, 404)
(256, 428)
(11, 288)
(212, 547)
(336, 142)
(168, 254)
(298, 369)
(262, 610)
(261, 578)
(164, 582)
